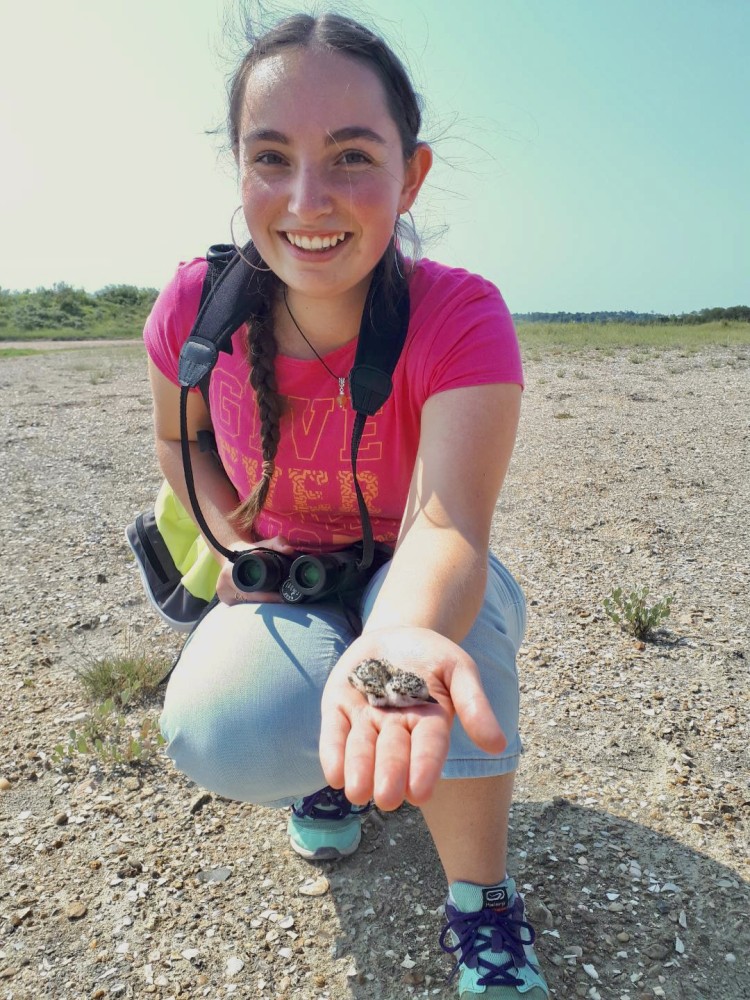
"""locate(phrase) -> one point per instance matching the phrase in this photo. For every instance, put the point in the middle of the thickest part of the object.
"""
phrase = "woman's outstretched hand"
(392, 754)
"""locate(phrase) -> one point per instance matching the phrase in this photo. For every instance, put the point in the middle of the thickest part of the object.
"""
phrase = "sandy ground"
(629, 832)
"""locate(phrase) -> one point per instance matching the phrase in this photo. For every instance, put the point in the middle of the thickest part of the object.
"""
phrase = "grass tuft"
(113, 734)
(123, 678)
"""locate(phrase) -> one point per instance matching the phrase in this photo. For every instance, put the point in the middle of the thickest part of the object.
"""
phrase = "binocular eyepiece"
(260, 569)
(297, 578)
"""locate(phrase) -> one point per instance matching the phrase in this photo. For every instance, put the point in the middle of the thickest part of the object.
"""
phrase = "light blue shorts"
(242, 708)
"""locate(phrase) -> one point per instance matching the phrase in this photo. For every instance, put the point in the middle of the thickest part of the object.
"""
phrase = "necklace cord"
(338, 378)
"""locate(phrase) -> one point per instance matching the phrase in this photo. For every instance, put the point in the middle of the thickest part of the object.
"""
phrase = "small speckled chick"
(385, 686)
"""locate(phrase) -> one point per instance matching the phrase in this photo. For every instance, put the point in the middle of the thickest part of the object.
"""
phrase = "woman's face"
(322, 170)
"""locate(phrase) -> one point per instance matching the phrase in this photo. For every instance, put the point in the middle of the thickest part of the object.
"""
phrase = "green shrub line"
(66, 313)
(118, 312)
(603, 339)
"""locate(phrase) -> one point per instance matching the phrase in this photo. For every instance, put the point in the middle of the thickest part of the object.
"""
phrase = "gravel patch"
(629, 831)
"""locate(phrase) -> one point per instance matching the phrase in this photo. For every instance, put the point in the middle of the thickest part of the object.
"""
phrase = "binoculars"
(297, 578)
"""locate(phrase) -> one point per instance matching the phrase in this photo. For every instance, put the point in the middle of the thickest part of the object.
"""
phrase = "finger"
(254, 597)
(359, 762)
(474, 710)
(392, 758)
(264, 597)
(334, 730)
(430, 742)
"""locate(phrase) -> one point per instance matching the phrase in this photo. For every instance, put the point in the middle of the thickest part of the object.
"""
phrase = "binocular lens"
(308, 574)
(260, 569)
(312, 575)
(304, 578)
(251, 574)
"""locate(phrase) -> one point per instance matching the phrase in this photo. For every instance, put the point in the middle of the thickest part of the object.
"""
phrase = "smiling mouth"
(305, 242)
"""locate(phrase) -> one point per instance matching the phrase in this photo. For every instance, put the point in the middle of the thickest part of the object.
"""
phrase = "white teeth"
(315, 242)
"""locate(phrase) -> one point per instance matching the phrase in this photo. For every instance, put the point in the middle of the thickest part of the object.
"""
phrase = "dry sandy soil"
(629, 832)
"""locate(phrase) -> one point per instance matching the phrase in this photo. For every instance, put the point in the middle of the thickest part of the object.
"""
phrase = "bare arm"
(427, 604)
(438, 574)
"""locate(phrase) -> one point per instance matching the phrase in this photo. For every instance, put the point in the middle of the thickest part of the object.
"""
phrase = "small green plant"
(107, 736)
(632, 613)
(116, 682)
(124, 677)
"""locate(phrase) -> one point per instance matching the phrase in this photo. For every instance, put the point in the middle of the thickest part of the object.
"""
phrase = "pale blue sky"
(598, 151)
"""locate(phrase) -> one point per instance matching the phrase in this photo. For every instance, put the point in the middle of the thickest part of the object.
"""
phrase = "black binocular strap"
(232, 294)
(187, 465)
(385, 323)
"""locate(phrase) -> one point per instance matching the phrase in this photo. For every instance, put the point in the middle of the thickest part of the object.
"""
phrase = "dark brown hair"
(335, 33)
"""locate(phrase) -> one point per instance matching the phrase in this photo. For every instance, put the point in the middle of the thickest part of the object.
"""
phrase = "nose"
(309, 198)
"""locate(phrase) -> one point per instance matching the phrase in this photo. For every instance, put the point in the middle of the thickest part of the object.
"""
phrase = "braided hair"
(261, 354)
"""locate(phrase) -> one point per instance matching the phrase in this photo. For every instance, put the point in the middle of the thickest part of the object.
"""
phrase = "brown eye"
(353, 157)
(269, 159)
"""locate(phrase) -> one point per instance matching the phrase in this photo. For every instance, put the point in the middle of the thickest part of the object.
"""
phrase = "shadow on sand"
(621, 912)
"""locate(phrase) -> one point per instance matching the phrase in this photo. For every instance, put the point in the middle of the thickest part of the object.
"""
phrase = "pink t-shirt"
(460, 334)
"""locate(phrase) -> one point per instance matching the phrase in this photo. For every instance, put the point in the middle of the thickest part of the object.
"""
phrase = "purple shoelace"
(489, 930)
(327, 803)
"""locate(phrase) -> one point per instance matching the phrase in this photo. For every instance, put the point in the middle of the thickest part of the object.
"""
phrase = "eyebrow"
(353, 132)
(345, 134)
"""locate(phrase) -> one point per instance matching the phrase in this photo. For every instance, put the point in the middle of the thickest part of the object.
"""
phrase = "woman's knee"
(242, 709)
(240, 754)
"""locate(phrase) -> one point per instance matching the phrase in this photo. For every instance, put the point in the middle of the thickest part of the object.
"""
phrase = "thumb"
(473, 708)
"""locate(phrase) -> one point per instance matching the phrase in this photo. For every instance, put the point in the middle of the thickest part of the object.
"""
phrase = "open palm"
(392, 754)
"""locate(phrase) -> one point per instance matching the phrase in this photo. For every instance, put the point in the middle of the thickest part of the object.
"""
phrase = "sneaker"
(496, 958)
(325, 826)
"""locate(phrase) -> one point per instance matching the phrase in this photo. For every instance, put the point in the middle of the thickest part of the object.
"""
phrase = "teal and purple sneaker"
(492, 942)
(325, 826)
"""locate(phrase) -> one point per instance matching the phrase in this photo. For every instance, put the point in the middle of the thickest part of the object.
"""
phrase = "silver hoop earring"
(407, 235)
(236, 245)
(397, 248)
(395, 237)
(396, 256)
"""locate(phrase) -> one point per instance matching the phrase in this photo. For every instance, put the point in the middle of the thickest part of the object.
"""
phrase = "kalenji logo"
(495, 898)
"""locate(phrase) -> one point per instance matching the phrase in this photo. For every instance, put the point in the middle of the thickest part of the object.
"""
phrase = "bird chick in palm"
(386, 686)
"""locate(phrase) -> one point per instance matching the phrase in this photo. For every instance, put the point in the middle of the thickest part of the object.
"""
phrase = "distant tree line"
(65, 308)
(739, 314)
